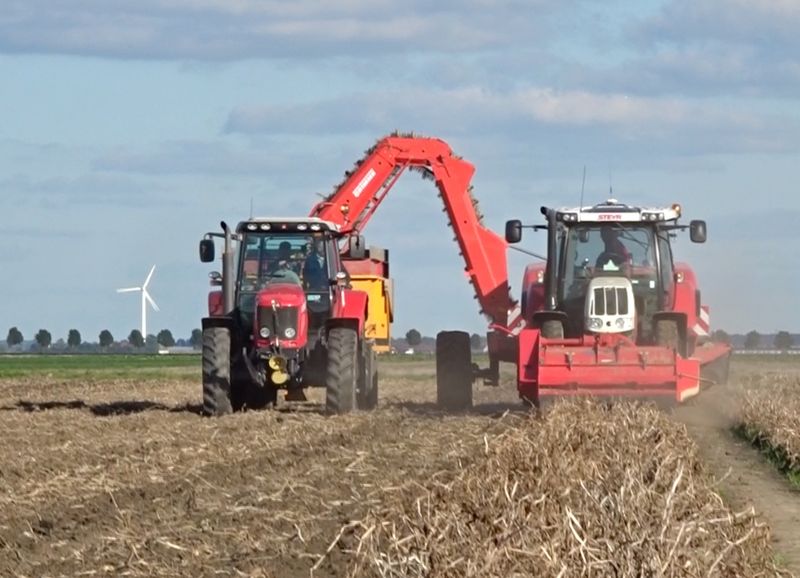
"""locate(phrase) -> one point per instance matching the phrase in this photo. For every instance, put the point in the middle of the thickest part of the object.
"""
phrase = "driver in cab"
(315, 271)
(281, 271)
(615, 254)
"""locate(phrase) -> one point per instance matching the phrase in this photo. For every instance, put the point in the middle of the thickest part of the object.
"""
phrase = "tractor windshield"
(268, 258)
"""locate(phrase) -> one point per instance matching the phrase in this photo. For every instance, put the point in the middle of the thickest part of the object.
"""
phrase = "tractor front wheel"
(553, 329)
(453, 370)
(667, 333)
(341, 377)
(217, 371)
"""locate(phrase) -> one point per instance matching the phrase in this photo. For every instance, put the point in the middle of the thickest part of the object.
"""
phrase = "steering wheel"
(616, 258)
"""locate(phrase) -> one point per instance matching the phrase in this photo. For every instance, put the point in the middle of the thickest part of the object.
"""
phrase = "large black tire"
(553, 329)
(453, 371)
(217, 371)
(368, 383)
(341, 377)
(667, 333)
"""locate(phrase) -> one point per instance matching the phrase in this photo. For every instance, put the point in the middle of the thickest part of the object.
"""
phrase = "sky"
(130, 128)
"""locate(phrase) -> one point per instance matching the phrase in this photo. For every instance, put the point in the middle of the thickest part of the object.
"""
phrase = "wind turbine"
(145, 299)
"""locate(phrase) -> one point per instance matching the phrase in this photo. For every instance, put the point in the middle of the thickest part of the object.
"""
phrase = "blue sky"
(131, 128)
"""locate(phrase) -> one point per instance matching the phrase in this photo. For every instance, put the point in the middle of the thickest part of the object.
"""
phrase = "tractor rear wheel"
(453, 370)
(341, 377)
(368, 383)
(217, 371)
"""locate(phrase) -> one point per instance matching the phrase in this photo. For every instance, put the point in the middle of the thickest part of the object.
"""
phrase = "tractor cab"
(609, 269)
(282, 277)
(284, 257)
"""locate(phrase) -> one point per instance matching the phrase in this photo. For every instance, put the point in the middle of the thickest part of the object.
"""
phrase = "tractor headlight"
(289, 333)
(620, 322)
(264, 332)
(595, 323)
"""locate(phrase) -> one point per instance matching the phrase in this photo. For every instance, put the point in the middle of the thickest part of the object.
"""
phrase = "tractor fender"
(223, 321)
(215, 305)
(686, 293)
(533, 290)
(350, 307)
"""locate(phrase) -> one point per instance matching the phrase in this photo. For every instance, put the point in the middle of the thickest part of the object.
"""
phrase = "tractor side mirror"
(513, 231)
(206, 250)
(697, 231)
(356, 247)
(583, 235)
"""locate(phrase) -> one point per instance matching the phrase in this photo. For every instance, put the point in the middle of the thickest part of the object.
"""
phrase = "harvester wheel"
(217, 371)
(368, 382)
(453, 370)
(341, 377)
(667, 333)
(553, 329)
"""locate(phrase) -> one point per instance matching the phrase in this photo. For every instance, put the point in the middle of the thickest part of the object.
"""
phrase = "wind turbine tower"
(145, 299)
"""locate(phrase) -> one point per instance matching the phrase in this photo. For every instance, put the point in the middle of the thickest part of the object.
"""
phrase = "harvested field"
(587, 491)
(124, 477)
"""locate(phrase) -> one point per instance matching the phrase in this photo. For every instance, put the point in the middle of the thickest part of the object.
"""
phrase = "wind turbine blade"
(149, 275)
(150, 300)
(129, 289)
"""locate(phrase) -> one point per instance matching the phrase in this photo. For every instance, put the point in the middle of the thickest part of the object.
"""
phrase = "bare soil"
(126, 478)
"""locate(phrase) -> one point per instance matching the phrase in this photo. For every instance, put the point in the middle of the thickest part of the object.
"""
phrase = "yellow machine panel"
(379, 308)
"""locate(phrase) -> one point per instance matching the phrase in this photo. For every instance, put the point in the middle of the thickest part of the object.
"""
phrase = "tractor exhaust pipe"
(227, 271)
(550, 276)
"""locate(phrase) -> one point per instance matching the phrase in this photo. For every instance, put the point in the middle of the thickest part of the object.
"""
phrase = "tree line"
(44, 339)
(783, 340)
(414, 338)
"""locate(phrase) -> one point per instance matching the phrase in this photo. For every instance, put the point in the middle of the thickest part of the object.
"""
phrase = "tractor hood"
(281, 317)
(282, 294)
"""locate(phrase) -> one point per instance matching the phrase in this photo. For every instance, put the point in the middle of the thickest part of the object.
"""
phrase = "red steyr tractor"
(285, 318)
(611, 313)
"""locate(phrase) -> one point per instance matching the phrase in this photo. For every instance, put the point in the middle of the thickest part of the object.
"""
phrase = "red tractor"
(286, 318)
(610, 313)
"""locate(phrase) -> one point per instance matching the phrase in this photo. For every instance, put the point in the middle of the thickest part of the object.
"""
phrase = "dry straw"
(770, 416)
(589, 491)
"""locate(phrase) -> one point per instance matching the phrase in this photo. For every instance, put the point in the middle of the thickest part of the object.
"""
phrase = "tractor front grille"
(278, 320)
(610, 301)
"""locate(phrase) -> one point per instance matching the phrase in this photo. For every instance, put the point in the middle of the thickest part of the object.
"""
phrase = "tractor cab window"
(667, 266)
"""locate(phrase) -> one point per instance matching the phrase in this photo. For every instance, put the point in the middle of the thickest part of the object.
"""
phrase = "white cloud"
(211, 29)
(590, 121)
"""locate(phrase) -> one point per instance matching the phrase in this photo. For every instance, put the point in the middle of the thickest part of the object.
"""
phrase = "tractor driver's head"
(609, 234)
(284, 251)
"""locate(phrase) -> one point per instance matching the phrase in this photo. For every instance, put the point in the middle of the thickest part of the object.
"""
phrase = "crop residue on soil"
(125, 477)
